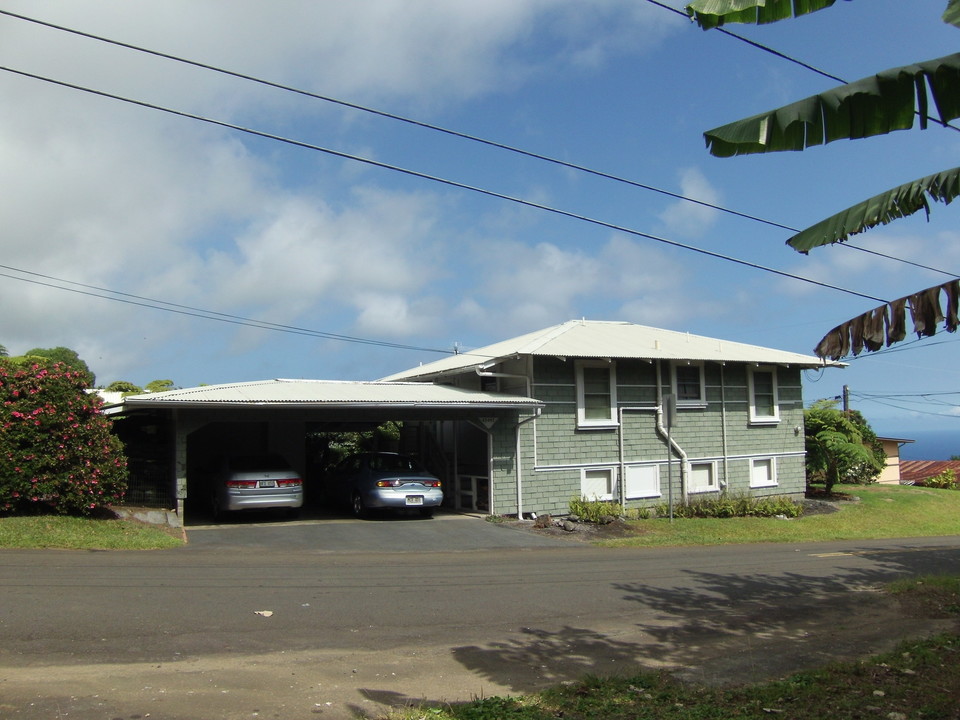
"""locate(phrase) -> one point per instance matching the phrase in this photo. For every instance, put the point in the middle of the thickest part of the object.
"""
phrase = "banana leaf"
(714, 13)
(875, 105)
(881, 209)
(951, 15)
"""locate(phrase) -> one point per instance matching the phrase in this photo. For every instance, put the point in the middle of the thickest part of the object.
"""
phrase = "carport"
(168, 434)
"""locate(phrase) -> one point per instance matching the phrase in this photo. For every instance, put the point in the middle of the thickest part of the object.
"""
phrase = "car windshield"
(394, 463)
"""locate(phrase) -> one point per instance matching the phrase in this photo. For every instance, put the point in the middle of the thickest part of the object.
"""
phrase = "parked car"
(381, 481)
(256, 482)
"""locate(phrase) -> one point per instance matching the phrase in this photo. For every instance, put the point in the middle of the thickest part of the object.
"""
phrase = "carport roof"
(324, 393)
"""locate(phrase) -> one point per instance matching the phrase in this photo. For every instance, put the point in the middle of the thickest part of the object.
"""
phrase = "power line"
(165, 306)
(443, 181)
(398, 118)
(475, 138)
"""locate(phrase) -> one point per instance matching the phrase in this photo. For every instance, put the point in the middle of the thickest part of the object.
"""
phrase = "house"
(629, 413)
(891, 473)
(604, 410)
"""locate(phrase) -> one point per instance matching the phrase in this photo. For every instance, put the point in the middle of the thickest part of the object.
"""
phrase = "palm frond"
(881, 209)
(951, 15)
(714, 13)
(874, 105)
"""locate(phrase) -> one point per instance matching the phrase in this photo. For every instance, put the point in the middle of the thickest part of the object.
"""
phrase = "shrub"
(726, 506)
(57, 453)
(593, 510)
(947, 480)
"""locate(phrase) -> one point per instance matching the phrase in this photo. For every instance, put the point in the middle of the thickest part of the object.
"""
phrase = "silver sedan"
(382, 481)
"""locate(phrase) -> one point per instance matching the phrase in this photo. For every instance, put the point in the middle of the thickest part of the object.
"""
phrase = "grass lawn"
(57, 531)
(882, 511)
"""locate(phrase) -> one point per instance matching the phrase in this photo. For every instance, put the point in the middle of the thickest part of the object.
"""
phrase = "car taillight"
(241, 483)
(432, 483)
(292, 482)
(389, 483)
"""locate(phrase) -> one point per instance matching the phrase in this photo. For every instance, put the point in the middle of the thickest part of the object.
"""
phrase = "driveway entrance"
(445, 532)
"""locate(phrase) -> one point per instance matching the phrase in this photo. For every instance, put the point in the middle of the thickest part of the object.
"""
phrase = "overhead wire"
(476, 138)
(440, 180)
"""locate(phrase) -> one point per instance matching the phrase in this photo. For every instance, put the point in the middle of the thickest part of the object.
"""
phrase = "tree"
(66, 356)
(57, 453)
(841, 447)
(3, 351)
(124, 386)
(876, 105)
(159, 386)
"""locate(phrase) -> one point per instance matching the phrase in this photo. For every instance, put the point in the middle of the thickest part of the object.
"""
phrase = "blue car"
(384, 481)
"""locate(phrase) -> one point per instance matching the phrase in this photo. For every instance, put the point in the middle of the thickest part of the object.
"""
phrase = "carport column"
(180, 462)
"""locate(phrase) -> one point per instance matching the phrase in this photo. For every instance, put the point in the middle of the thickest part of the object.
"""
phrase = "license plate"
(268, 483)
(414, 499)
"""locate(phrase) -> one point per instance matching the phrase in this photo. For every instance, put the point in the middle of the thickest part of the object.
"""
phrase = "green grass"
(919, 680)
(56, 531)
(883, 511)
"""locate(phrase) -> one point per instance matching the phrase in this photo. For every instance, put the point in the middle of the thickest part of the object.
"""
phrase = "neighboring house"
(891, 447)
(607, 418)
(916, 472)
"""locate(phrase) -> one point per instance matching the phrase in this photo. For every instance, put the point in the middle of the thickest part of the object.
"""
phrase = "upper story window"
(688, 385)
(596, 394)
(764, 404)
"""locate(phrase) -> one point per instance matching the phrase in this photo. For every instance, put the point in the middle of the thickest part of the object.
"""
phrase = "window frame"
(611, 483)
(654, 470)
(700, 402)
(772, 481)
(755, 418)
(609, 421)
(700, 489)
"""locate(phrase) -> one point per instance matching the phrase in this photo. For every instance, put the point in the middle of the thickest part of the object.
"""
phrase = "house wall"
(555, 452)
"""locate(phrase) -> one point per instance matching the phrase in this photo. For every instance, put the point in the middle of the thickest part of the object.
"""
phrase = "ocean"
(929, 444)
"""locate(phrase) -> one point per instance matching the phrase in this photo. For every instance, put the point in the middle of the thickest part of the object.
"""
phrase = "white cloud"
(688, 219)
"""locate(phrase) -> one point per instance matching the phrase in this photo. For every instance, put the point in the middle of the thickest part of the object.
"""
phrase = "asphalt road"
(291, 629)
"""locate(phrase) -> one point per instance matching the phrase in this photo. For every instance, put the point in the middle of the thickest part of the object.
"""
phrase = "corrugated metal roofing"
(605, 339)
(327, 393)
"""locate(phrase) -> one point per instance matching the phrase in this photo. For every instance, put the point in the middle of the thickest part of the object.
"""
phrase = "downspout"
(723, 426)
(662, 430)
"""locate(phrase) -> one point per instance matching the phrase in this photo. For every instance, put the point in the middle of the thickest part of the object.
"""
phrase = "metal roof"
(613, 340)
(326, 393)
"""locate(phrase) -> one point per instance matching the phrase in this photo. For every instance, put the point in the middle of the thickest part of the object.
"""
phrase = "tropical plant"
(838, 446)
(888, 101)
(57, 453)
(159, 386)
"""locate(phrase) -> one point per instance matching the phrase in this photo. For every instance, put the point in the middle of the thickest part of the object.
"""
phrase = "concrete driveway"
(390, 533)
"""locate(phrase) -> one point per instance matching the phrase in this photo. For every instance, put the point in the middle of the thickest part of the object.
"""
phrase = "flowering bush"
(56, 449)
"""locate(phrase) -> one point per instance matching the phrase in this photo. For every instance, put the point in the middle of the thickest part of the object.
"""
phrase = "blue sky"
(109, 195)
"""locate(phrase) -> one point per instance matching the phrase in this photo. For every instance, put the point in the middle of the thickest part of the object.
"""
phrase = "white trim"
(755, 418)
(772, 479)
(583, 421)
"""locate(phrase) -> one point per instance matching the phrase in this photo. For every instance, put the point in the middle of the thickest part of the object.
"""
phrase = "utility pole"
(846, 400)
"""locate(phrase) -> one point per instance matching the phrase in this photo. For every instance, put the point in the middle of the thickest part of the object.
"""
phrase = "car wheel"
(426, 512)
(358, 507)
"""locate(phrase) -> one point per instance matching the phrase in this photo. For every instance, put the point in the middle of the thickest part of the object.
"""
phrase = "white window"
(763, 472)
(764, 404)
(688, 385)
(596, 394)
(597, 484)
(642, 481)
(702, 477)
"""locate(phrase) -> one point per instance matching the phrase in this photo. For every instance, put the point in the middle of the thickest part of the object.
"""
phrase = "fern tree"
(841, 447)
(891, 100)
